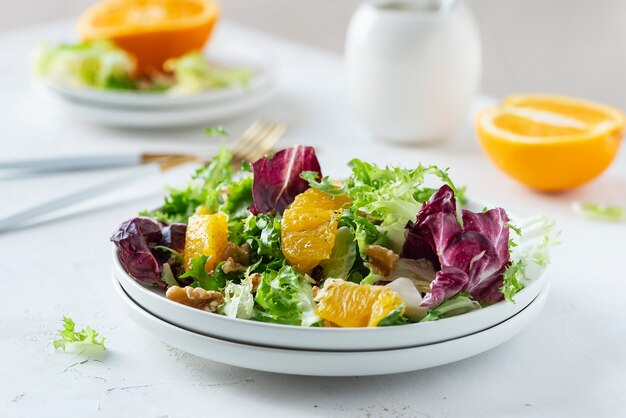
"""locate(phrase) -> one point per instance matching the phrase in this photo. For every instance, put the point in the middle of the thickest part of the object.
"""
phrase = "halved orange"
(151, 30)
(207, 234)
(309, 227)
(550, 143)
(348, 304)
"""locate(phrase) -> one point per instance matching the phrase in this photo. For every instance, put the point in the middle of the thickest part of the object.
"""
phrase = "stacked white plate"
(158, 109)
(326, 351)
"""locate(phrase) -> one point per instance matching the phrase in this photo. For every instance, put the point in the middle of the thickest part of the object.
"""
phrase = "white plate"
(329, 339)
(320, 363)
(197, 114)
(232, 56)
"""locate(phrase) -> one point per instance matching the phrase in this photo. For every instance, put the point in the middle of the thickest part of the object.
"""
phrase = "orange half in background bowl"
(550, 143)
(151, 30)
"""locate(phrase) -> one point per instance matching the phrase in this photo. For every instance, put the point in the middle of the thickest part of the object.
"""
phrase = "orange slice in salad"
(206, 235)
(550, 143)
(309, 227)
(347, 304)
(151, 30)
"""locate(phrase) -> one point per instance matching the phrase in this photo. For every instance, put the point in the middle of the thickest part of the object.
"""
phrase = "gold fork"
(255, 142)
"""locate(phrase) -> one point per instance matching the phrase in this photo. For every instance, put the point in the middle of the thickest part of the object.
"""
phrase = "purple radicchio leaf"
(470, 258)
(174, 236)
(133, 239)
(277, 178)
(420, 240)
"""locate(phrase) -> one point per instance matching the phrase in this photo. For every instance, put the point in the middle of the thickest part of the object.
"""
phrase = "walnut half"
(382, 259)
(196, 297)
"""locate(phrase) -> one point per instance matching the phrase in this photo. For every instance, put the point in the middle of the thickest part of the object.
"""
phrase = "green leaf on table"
(597, 212)
(83, 341)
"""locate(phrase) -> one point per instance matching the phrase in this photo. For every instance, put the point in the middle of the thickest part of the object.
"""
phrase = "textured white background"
(571, 362)
(576, 47)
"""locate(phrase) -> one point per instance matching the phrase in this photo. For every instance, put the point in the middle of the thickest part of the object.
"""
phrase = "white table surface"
(571, 362)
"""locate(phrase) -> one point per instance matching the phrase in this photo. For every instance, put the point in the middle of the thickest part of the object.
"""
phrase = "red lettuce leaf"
(277, 178)
(133, 239)
(470, 258)
(436, 221)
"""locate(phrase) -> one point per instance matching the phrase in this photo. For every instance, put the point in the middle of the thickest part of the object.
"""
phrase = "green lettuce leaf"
(395, 317)
(284, 297)
(388, 197)
(342, 257)
(458, 305)
(530, 253)
(98, 64)
(238, 299)
(193, 74)
(598, 212)
(208, 281)
(83, 341)
(204, 189)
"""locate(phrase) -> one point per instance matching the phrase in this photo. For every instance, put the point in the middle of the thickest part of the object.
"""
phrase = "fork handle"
(89, 162)
(35, 212)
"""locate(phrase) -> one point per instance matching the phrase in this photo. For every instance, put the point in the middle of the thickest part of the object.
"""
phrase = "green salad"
(276, 241)
(102, 65)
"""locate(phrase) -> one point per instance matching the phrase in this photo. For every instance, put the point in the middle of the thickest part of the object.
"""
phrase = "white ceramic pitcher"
(413, 67)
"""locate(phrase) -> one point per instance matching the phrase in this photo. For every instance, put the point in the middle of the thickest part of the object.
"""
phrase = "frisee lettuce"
(530, 253)
(597, 212)
(395, 317)
(238, 299)
(203, 189)
(194, 74)
(284, 297)
(460, 304)
(101, 64)
(83, 341)
(98, 64)
(389, 196)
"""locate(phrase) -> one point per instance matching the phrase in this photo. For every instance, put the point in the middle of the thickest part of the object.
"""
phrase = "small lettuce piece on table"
(193, 73)
(277, 179)
(284, 297)
(83, 341)
(470, 257)
(98, 64)
(597, 212)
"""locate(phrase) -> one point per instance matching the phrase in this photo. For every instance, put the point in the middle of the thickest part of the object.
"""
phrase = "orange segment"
(348, 304)
(152, 30)
(206, 235)
(309, 227)
(550, 143)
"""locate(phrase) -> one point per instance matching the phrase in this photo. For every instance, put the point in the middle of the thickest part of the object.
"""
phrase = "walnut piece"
(382, 259)
(255, 279)
(231, 266)
(239, 253)
(196, 297)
